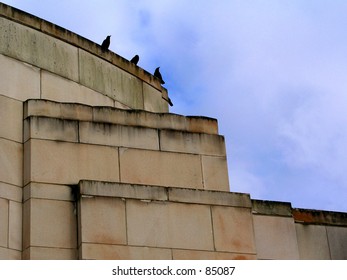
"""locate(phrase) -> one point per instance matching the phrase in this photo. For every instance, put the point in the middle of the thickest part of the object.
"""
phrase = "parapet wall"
(52, 63)
(94, 167)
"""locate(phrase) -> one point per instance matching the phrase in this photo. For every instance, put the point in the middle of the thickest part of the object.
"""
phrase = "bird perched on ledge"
(135, 59)
(158, 75)
(106, 43)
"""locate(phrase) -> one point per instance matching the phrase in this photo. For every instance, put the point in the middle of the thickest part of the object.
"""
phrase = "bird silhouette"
(135, 59)
(158, 75)
(106, 43)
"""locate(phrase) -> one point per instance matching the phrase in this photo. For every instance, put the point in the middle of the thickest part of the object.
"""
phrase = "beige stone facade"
(93, 165)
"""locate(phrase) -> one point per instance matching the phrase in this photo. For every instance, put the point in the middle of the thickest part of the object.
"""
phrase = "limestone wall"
(94, 167)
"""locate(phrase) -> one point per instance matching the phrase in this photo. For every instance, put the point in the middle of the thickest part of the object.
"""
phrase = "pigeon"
(135, 59)
(106, 43)
(158, 75)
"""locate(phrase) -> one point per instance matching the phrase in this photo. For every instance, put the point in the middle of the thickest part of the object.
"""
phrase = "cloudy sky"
(273, 72)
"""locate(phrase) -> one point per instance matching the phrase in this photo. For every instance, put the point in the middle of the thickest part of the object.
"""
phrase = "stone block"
(102, 220)
(153, 100)
(54, 87)
(209, 255)
(48, 191)
(160, 168)
(34, 47)
(11, 116)
(195, 143)
(11, 162)
(202, 124)
(69, 111)
(233, 229)
(337, 238)
(42, 253)
(67, 163)
(10, 254)
(272, 208)
(4, 211)
(15, 225)
(312, 242)
(10, 192)
(169, 225)
(107, 189)
(209, 197)
(275, 238)
(154, 120)
(18, 80)
(118, 135)
(116, 252)
(215, 173)
(49, 223)
(104, 77)
(50, 129)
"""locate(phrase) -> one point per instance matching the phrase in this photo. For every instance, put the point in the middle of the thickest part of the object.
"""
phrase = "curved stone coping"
(74, 39)
(104, 114)
(158, 193)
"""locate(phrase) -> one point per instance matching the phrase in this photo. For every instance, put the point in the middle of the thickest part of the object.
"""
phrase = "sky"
(273, 72)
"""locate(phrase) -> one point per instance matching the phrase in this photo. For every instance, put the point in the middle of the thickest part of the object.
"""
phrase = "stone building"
(93, 165)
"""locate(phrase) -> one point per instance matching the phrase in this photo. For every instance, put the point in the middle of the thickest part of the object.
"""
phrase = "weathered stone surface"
(4, 222)
(53, 109)
(10, 192)
(22, 82)
(195, 143)
(54, 87)
(169, 225)
(202, 124)
(153, 100)
(11, 116)
(66, 163)
(118, 135)
(215, 173)
(153, 120)
(209, 255)
(209, 197)
(43, 253)
(112, 81)
(116, 252)
(11, 162)
(48, 191)
(275, 237)
(49, 223)
(10, 254)
(274, 208)
(15, 225)
(312, 242)
(160, 168)
(107, 189)
(337, 238)
(233, 229)
(39, 49)
(50, 129)
(102, 220)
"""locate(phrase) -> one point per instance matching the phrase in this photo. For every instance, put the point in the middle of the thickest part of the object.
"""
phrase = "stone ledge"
(71, 38)
(160, 193)
(307, 216)
(271, 208)
(105, 114)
